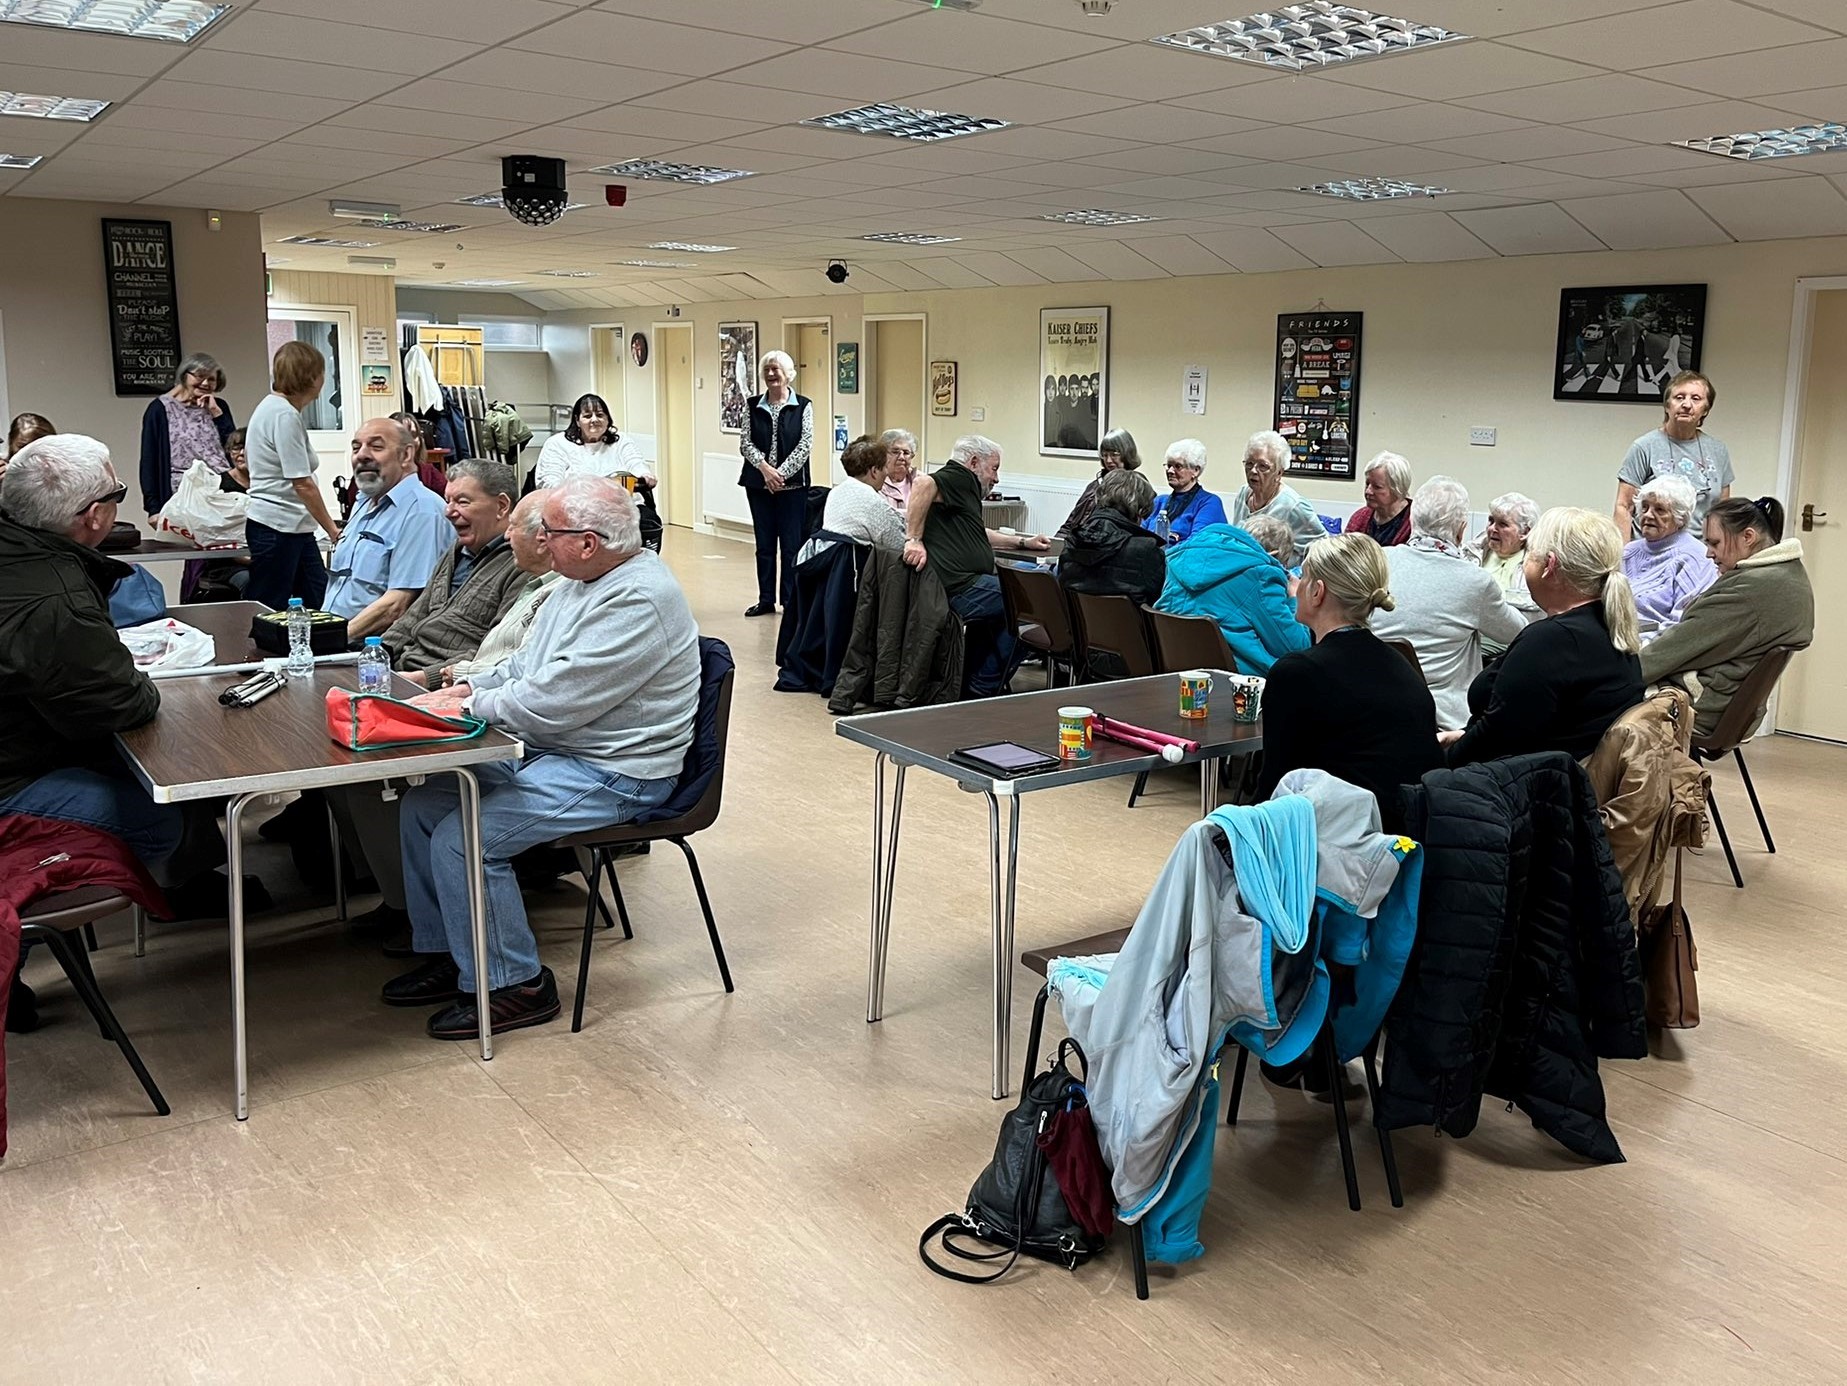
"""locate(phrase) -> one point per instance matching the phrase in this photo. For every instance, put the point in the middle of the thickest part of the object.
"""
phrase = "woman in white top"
(591, 446)
(285, 500)
(857, 510)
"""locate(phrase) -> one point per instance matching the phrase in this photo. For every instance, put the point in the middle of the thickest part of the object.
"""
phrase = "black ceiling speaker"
(532, 188)
(836, 271)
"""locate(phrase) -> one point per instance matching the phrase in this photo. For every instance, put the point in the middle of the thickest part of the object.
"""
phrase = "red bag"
(372, 721)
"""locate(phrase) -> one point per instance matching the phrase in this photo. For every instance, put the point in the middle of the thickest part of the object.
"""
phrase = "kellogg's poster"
(1074, 361)
(1318, 392)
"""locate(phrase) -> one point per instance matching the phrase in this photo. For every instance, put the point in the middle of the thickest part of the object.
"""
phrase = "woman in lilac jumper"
(1667, 566)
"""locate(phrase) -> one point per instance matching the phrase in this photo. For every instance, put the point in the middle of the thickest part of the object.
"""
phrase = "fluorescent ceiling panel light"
(904, 123)
(379, 261)
(1304, 37)
(909, 238)
(654, 264)
(495, 200)
(20, 103)
(364, 211)
(673, 173)
(21, 160)
(327, 242)
(429, 226)
(176, 21)
(1827, 137)
(569, 274)
(690, 247)
(1095, 216)
(1373, 189)
(952, 4)
(486, 283)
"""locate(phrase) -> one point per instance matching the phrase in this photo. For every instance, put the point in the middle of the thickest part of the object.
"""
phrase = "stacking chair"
(1188, 642)
(1112, 625)
(1736, 724)
(1042, 617)
(1409, 651)
(52, 920)
(693, 807)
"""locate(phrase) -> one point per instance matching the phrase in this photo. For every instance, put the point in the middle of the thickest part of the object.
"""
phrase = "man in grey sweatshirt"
(603, 694)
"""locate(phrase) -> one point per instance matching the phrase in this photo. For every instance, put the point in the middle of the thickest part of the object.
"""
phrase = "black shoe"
(206, 896)
(294, 820)
(630, 849)
(381, 921)
(435, 983)
(21, 1009)
(761, 609)
(400, 943)
(508, 1008)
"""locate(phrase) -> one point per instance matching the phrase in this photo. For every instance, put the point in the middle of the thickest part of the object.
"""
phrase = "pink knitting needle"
(1158, 737)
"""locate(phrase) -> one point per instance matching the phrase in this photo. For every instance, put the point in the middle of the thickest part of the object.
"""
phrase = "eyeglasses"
(115, 497)
(546, 532)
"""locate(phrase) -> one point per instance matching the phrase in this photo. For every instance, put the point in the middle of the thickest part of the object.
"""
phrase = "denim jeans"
(991, 640)
(523, 804)
(284, 566)
(113, 803)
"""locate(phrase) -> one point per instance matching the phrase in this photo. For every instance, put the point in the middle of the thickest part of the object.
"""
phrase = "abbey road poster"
(1074, 360)
(1622, 345)
(1318, 392)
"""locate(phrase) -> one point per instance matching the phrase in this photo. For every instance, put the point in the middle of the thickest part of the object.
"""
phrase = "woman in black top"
(1563, 680)
(1349, 704)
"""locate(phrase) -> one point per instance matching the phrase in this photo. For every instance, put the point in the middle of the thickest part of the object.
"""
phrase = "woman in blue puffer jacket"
(1224, 573)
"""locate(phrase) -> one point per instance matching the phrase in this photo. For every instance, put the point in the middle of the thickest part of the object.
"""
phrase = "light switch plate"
(1482, 437)
(978, 415)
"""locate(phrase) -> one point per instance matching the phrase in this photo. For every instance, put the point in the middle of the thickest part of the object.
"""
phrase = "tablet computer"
(1005, 759)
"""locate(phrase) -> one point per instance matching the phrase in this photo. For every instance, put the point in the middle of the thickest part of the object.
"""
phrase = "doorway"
(1814, 477)
(897, 378)
(332, 416)
(609, 371)
(810, 344)
(673, 412)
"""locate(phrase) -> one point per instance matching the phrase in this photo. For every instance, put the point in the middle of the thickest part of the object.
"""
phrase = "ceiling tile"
(207, 102)
(1801, 207)
(1667, 33)
(1428, 237)
(1814, 103)
(1159, 124)
(1331, 243)
(1419, 124)
(93, 86)
(1142, 68)
(762, 104)
(1252, 250)
(475, 21)
(1589, 99)
(221, 67)
(969, 42)
(1459, 69)
(1113, 259)
(1271, 143)
(1533, 230)
(1537, 142)
(1621, 163)
(1399, 161)
(1171, 159)
(68, 51)
(182, 120)
(1056, 265)
(133, 135)
(848, 79)
(950, 274)
(514, 70)
(789, 21)
(1754, 74)
(1030, 142)
(907, 276)
(440, 94)
(316, 40)
(1826, 13)
(1712, 172)
(650, 44)
(1024, 103)
(1691, 122)
(1646, 221)
(1287, 100)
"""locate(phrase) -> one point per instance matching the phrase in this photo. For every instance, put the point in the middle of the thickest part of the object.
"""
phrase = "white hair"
(1441, 508)
(1397, 472)
(900, 435)
(1521, 511)
(51, 480)
(1190, 451)
(1277, 538)
(1270, 444)
(532, 520)
(604, 505)
(1677, 491)
(971, 446)
(783, 357)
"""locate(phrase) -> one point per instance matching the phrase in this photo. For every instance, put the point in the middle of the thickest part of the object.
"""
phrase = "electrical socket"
(1482, 437)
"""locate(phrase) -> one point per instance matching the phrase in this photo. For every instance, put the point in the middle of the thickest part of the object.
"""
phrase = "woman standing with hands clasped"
(187, 424)
(776, 444)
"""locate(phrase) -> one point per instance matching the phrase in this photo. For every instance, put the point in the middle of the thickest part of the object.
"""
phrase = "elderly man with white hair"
(1386, 516)
(1445, 606)
(1668, 566)
(1264, 493)
(1187, 507)
(603, 693)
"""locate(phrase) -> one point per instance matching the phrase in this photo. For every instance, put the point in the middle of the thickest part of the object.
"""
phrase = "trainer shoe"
(434, 983)
(509, 1008)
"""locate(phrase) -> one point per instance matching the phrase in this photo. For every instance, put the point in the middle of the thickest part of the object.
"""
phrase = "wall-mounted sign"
(1193, 390)
(375, 346)
(943, 389)
(1074, 359)
(144, 309)
(1318, 392)
(377, 379)
(846, 367)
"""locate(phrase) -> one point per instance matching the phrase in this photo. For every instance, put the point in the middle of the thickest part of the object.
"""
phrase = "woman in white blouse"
(857, 510)
(776, 445)
(591, 446)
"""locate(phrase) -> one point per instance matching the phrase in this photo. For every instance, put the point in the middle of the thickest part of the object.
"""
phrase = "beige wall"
(1447, 346)
(56, 317)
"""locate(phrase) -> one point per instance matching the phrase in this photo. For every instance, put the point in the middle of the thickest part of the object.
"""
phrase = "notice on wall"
(375, 347)
(1193, 390)
(377, 379)
(1318, 392)
(144, 310)
(840, 433)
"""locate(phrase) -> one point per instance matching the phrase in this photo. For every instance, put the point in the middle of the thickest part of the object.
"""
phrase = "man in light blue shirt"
(397, 535)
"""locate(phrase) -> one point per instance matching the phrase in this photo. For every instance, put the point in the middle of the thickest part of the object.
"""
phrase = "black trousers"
(778, 520)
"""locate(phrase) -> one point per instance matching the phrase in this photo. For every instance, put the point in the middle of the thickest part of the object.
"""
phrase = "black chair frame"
(75, 960)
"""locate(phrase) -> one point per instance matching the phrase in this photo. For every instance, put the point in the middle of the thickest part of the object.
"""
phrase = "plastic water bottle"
(301, 640)
(1162, 529)
(374, 667)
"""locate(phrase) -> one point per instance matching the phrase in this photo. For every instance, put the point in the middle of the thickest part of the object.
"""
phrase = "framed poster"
(1622, 345)
(1318, 391)
(943, 389)
(846, 368)
(1074, 367)
(144, 309)
(737, 372)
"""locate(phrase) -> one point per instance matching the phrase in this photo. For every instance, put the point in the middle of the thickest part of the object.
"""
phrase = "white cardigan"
(560, 458)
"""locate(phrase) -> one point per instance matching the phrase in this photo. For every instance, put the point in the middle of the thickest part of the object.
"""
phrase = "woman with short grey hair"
(1273, 534)
(1264, 493)
(187, 424)
(1116, 451)
(1668, 566)
(900, 463)
(1511, 518)
(1446, 606)
(1188, 506)
(1386, 516)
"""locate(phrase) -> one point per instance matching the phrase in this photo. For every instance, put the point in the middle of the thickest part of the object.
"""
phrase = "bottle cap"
(373, 641)
(295, 604)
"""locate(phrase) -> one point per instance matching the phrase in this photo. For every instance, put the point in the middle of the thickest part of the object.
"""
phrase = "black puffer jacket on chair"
(1525, 970)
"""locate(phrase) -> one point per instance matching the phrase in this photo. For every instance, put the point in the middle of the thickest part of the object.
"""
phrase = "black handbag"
(1016, 1205)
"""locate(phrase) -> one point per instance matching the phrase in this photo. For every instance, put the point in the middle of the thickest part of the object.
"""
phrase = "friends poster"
(1318, 392)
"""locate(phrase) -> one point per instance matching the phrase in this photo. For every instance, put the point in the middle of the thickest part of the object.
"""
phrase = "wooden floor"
(710, 1188)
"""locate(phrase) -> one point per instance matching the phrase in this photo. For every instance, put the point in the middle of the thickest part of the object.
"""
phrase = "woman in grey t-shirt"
(1680, 447)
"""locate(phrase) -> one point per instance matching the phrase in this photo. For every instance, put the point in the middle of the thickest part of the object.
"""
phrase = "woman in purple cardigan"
(1668, 567)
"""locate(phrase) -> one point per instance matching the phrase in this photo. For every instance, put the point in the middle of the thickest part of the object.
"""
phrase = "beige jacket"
(1651, 794)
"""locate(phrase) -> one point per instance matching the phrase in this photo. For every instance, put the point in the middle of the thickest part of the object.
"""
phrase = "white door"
(1811, 701)
(332, 418)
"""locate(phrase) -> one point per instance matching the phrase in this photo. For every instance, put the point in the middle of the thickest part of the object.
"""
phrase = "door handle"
(1809, 515)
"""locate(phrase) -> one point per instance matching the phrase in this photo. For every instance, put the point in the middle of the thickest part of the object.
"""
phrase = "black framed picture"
(1622, 344)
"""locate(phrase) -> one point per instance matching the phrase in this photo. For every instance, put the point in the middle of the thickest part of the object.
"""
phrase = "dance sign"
(1318, 392)
(144, 310)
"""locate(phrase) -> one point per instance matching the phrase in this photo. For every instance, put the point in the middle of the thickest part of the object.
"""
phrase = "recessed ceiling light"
(21, 160)
(690, 248)
(176, 21)
(909, 238)
(432, 226)
(379, 261)
(654, 264)
(1373, 189)
(1318, 34)
(902, 122)
(1830, 136)
(19, 103)
(486, 283)
(495, 200)
(328, 242)
(569, 274)
(1095, 216)
(675, 173)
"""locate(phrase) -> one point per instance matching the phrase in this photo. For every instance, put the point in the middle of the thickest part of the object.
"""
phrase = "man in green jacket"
(67, 682)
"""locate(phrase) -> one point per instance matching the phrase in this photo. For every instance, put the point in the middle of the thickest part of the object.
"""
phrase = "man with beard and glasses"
(396, 536)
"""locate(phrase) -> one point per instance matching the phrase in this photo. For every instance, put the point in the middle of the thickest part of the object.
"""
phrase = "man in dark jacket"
(67, 682)
(1110, 554)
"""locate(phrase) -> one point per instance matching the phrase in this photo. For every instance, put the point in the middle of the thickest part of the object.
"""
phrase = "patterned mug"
(1195, 693)
(1076, 730)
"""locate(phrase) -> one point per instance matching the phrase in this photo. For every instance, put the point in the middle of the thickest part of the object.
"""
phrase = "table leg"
(1208, 786)
(339, 862)
(1003, 892)
(470, 790)
(234, 866)
(884, 882)
(141, 932)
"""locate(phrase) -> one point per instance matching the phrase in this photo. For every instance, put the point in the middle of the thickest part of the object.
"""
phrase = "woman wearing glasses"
(187, 424)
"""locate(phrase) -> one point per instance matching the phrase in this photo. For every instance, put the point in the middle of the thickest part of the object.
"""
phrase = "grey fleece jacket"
(609, 674)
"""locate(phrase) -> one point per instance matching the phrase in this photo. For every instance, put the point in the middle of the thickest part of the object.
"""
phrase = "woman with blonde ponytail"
(1564, 679)
(1349, 704)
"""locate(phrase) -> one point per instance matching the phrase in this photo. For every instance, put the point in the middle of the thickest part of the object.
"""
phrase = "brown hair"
(25, 428)
(296, 367)
(864, 454)
(1687, 378)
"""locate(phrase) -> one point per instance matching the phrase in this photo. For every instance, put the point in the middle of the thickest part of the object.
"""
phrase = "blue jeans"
(284, 566)
(113, 803)
(990, 639)
(523, 804)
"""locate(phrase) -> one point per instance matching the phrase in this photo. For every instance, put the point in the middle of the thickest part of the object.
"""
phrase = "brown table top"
(228, 623)
(925, 736)
(154, 551)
